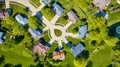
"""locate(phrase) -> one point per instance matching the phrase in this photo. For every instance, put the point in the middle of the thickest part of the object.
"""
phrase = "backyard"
(102, 58)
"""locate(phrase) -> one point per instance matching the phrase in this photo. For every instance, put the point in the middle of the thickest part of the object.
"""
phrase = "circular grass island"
(57, 32)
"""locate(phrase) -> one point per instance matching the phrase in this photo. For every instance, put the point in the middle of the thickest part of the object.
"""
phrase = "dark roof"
(39, 16)
(76, 50)
(100, 14)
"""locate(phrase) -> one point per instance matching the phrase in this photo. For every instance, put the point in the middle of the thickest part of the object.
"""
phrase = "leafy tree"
(2, 58)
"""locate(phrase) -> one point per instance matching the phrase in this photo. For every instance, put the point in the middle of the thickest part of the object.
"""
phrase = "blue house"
(22, 20)
(82, 31)
(36, 34)
(39, 16)
(1, 37)
(76, 50)
(59, 10)
(46, 1)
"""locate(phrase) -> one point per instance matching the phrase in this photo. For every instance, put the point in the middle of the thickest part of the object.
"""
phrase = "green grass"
(47, 12)
(46, 36)
(102, 58)
(74, 28)
(36, 3)
(17, 55)
(73, 40)
(20, 10)
(2, 6)
(62, 20)
(57, 32)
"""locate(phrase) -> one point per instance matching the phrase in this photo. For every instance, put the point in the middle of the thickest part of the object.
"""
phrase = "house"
(101, 4)
(39, 16)
(1, 37)
(72, 16)
(82, 31)
(58, 55)
(22, 20)
(46, 1)
(57, 9)
(76, 50)
(5, 13)
(36, 34)
(40, 48)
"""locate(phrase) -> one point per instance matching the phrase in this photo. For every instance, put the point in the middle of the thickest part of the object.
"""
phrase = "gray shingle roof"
(72, 16)
(59, 10)
(76, 50)
(101, 3)
(46, 1)
(36, 34)
(20, 19)
(82, 31)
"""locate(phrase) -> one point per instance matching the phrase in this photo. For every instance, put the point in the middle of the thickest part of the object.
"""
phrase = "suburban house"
(1, 37)
(39, 16)
(57, 9)
(40, 48)
(82, 31)
(101, 4)
(58, 55)
(46, 1)
(22, 20)
(36, 34)
(72, 16)
(76, 50)
(5, 13)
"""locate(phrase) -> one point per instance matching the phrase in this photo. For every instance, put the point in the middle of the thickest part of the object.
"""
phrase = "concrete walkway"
(27, 4)
(50, 25)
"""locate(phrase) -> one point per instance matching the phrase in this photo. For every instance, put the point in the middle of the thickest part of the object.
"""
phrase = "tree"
(2, 58)
(80, 62)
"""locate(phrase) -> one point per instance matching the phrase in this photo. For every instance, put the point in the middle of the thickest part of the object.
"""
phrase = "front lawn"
(35, 3)
(46, 36)
(21, 10)
(62, 20)
(47, 12)
(74, 28)
(74, 41)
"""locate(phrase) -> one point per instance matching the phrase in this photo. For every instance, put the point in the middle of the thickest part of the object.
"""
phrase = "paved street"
(50, 25)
